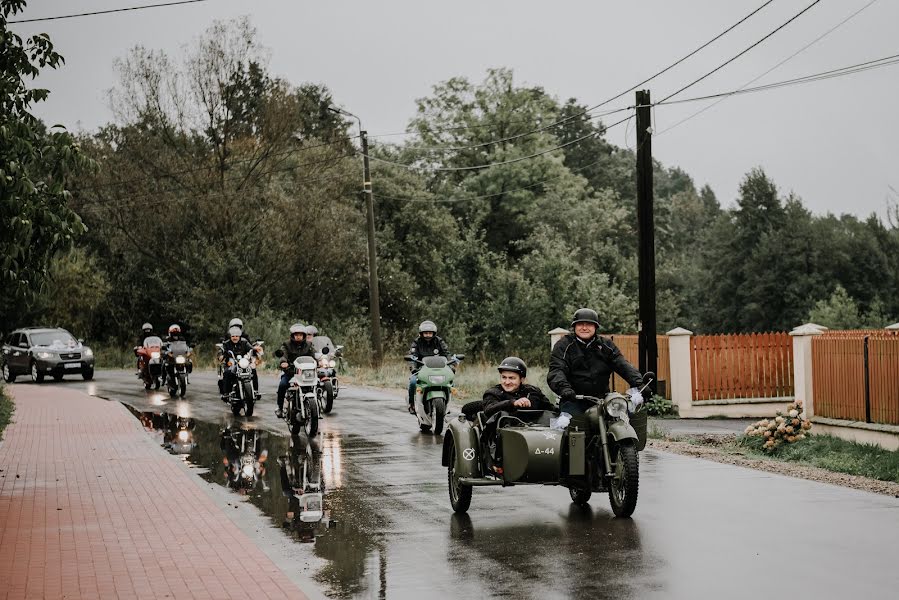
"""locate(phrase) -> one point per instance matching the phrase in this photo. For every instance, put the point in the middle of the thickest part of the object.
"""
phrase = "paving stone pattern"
(91, 507)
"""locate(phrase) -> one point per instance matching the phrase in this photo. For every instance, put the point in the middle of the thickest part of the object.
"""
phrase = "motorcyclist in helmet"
(295, 347)
(509, 395)
(235, 322)
(146, 330)
(311, 332)
(428, 343)
(236, 346)
(582, 362)
(175, 334)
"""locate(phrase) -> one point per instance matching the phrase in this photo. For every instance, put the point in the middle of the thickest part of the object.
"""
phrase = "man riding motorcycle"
(428, 343)
(237, 346)
(582, 362)
(293, 348)
(146, 330)
(235, 322)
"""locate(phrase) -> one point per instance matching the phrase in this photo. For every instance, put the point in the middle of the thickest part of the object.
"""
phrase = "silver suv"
(42, 351)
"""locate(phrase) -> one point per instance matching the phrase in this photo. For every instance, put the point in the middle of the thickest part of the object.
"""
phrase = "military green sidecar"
(597, 452)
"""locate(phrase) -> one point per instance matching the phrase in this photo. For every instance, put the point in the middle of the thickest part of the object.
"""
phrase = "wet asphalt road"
(701, 529)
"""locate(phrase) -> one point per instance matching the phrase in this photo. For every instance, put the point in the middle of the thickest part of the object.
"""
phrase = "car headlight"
(44, 354)
(332, 363)
(88, 353)
(180, 360)
(154, 355)
(437, 378)
(243, 363)
(617, 408)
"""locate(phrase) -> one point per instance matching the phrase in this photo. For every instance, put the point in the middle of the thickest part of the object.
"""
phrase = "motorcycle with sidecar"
(596, 452)
(434, 389)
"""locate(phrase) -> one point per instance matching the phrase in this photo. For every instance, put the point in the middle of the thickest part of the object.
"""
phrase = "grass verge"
(832, 453)
(6, 409)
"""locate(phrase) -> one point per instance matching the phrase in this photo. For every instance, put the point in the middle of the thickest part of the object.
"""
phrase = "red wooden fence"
(628, 346)
(752, 365)
(838, 376)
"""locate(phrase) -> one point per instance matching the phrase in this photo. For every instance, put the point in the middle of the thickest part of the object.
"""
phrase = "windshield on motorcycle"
(304, 362)
(152, 342)
(179, 347)
(434, 362)
(322, 341)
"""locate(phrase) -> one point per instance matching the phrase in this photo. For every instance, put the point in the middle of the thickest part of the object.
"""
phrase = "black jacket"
(143, 336)
(292, 350)
(242, 347)
(422, 347)
(586, 367)
(497, 399)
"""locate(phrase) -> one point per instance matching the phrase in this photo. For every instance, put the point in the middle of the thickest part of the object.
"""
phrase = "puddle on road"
(300, 485)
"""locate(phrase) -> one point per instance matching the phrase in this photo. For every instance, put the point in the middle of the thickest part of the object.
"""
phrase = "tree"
(36, 165)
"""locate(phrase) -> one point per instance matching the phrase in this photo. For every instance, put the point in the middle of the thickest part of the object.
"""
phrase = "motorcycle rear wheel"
(329, 396)
(625, 482)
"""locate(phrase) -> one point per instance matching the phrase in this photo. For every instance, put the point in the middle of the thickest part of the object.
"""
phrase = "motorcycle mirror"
(460, 356)
(80, 340)
(279, 353)
(408, 358)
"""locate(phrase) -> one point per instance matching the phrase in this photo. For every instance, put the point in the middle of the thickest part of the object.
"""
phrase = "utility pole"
(647, 348)
(374, 302)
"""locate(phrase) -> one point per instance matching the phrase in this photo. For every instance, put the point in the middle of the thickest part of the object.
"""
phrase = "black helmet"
(585, 315)
(513, 364)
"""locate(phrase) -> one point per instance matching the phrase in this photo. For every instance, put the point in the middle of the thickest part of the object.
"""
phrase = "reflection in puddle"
(300, 485)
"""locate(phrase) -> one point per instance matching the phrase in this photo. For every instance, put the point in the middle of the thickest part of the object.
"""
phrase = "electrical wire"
(105, 12)
(744, 51)
(613, 98)
(778, 65)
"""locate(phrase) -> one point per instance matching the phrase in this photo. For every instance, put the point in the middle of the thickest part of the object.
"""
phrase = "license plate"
(73, 365)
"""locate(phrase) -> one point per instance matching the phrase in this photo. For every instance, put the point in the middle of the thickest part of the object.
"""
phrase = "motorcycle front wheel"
(625, 480)
(248, 397)
(311, 424)
(439, 412)
(329, 396)
(182, 383)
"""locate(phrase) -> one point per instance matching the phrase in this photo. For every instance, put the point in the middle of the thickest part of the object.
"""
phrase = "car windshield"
(53, 339)
(152, 342)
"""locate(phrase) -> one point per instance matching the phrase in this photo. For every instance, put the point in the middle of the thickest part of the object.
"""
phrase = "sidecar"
(533, 453)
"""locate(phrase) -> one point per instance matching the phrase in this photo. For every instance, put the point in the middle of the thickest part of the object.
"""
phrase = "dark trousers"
(282, 388)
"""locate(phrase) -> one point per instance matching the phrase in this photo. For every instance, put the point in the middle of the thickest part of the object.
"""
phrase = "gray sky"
(833, 143)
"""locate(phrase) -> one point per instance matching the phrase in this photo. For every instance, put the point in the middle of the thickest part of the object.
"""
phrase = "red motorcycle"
(149, 362)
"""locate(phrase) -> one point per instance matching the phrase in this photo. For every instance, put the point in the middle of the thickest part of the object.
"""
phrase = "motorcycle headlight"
(332, 363)
(180, 360)
(154, 355)
(247, 470)
(44, 354)
(243, 363)
(617, 408)
(88, 352)
(323, 362)
(437, 378)
(183, 435)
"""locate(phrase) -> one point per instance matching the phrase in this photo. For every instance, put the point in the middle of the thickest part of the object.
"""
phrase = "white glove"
(636, 397)
(561, 422)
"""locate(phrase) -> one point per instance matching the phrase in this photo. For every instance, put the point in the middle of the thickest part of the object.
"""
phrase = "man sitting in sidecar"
(506, 398)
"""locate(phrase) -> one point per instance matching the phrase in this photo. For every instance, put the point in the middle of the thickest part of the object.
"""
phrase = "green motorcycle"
(434, 390)
(595, 453)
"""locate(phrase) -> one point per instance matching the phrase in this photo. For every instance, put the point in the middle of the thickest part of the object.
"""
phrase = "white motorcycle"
(302, 399)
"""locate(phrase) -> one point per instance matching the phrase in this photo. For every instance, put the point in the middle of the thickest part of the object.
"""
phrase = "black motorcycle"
(243, 394)
(178, 364)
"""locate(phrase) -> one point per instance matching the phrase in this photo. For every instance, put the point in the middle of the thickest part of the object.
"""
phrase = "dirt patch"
(719, 448)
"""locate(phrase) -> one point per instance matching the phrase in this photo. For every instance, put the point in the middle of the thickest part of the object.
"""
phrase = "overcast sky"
(833, 143)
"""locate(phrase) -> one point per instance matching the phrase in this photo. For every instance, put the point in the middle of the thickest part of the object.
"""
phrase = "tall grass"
(471, 380)
(6, 409)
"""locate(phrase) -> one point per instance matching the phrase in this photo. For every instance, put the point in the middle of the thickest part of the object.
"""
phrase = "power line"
(747, 49)
(105, 12)
(778, 65)
(600, 105)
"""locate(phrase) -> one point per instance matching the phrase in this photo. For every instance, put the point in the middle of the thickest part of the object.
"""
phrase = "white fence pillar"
(555, 335)
(802, 366)
(681, 374)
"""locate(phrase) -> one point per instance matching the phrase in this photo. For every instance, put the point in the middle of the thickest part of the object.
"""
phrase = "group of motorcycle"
(161, 363)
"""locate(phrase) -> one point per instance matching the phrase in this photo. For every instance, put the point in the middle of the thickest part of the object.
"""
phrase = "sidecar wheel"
(625, 480)
(580, 496)
(460, 495)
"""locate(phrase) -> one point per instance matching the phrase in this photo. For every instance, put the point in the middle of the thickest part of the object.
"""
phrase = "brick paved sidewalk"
(91, 507)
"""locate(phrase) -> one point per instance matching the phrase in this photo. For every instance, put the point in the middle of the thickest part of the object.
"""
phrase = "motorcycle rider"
(146, 330)
(293, 348)
(238, 346)
(428, 343)
(509, 395)
(235, 322)
(174, 335)
(582, 362)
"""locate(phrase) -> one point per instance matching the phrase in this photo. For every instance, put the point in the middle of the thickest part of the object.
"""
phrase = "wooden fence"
(628, 346)
(855, 376)
(753, 365)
